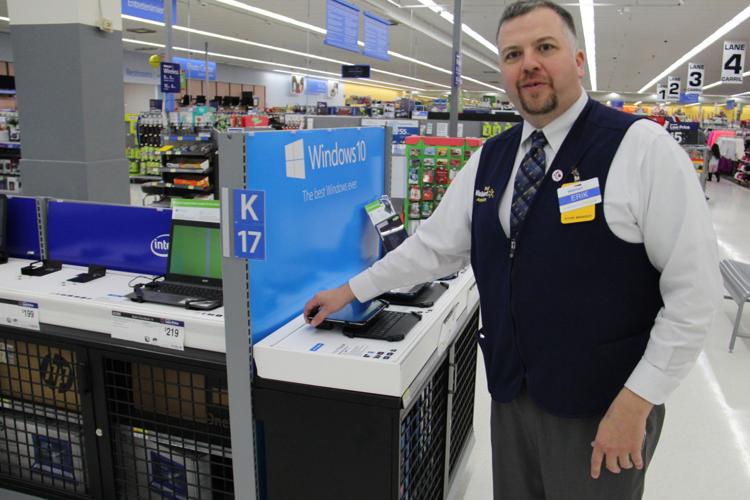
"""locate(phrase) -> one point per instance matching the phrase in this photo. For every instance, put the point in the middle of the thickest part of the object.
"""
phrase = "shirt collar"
(558, 129)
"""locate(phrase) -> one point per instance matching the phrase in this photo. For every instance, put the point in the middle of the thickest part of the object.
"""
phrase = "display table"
(374, 427)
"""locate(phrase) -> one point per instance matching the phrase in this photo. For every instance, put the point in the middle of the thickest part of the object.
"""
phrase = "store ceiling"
(635, 39)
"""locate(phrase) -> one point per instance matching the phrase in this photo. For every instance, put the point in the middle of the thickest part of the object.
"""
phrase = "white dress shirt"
(652, 197)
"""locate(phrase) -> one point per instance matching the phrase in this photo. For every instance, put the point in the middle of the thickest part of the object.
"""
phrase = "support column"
(456, 97)
(68, 61)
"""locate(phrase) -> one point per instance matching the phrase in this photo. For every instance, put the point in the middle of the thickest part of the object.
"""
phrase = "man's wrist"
(635, 402)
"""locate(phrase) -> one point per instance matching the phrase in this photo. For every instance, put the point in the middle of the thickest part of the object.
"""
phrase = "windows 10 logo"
(295, 159)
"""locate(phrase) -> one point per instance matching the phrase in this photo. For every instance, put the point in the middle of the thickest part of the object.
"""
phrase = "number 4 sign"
(249, 224)
(733, 62)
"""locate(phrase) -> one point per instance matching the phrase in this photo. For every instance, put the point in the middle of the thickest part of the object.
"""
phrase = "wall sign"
(249, 224)
(195, 68)
(695, 78)
(733, 62)
(314, 86)
(673, 88)
(170, 78)
(342, 25)
(148, 9)
(376, 36)
(661, 92)
(297, 85)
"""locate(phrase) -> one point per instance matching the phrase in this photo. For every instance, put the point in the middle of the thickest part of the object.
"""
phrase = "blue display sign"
(400, 133)
(689, 98)
(342, 25)
(170, 77)
(730, 104)
(249, 224)
(148, 9)
(313, 86)
(377, 31)
(685, 132)
(317, 233)
(23, 228)
(196, 68)
(120, 237)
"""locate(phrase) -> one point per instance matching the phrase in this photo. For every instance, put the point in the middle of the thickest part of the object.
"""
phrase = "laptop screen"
(195, 252)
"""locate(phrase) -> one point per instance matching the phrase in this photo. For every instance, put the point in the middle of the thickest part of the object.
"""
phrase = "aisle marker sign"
(170, 77)
(250, 224)
(661, 92)
(673, 88)
(733, 62)
(695, 78)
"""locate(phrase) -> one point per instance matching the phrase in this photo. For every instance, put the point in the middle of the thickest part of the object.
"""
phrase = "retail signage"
(617, 103)
(685, 132)
(661, 92)
(170, 77)
(316, 184)
(457, 70)
(162, 332)
(730, 104)
(376, 36)
(249, 224)
(196, 210)
(148, 9)
(419, 115)
(314, 86)
(342, 25)
(733, 62)
(686, 98)
(695, 78)
(196, 68)
(19, 314)
(673, 88)
(355, 71)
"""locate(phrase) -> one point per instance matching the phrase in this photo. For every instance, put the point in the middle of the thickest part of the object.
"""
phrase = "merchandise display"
(432, 163)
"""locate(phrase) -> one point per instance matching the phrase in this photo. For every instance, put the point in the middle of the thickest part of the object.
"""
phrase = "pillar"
(68, 61)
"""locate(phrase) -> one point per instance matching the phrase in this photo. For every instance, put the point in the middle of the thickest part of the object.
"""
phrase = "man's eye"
(512, 55)
(546, 47)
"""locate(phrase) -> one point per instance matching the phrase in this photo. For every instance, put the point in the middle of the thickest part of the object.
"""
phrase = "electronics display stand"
(41, 267)
(389, 325)
(94, 272)
(425, 298)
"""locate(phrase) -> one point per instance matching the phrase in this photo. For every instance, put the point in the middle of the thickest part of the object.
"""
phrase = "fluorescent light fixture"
(273, 15)
(740, 95)
(6, 19)
(638, 103)
(716, 35)
(430, 4)
(142, 20)
(589, 36)
(138, 42)
(716, 84)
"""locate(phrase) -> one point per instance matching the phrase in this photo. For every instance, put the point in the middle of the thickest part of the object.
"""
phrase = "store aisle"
(705, 445)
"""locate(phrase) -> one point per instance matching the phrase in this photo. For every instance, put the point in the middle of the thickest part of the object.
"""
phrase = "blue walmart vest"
(570, 313)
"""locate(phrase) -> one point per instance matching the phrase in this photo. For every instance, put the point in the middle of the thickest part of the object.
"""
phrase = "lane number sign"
(673, 88)
(733, 62)
(661, 91)
(695, 78)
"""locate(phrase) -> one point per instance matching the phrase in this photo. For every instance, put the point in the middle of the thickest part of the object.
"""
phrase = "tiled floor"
(704, 452)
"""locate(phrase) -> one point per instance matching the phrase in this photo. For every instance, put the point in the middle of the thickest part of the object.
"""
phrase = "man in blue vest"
(597, 267)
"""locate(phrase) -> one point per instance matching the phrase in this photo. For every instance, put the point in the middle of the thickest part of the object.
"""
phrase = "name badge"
(578, 201)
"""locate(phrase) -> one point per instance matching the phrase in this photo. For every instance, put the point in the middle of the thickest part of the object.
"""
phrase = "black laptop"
(193, 278)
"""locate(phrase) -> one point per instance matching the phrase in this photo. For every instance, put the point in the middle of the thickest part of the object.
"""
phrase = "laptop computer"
(193, 278)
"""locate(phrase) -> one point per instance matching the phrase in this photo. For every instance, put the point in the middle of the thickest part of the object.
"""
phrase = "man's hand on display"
(326, 303)
(619, 439)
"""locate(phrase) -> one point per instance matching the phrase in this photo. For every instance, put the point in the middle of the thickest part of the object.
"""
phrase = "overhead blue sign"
(689, 98)
(313, 86)
(170, 77)
(196, 68)
(342, 25)
(148, 9)
(249, 224)
(376, 36)
(317, 233)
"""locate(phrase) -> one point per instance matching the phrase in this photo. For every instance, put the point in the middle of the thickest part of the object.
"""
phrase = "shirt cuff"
(363, 287)
(651, 383)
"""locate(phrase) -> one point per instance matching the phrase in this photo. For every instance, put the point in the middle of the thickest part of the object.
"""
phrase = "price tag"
(160, 332)
(19, 314)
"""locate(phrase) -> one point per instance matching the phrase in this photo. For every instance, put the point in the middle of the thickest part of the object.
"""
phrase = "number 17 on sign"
(249, 216)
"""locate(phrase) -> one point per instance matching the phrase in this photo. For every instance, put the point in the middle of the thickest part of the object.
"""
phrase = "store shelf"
(10, 145)
(189, 155)
(195, 138)
(186, 170)
(10, 174)
(144, 178)
(169, 185)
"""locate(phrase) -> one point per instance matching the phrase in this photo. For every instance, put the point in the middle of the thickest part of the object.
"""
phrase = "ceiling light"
(464, 27)
(589, 37)
(739, 95)
(273, 15)
(287, 51)
(141, 31)
(638, 103)
(729, 26)
(139, 42)
(142, 20)
(6, 19)
(716, 84)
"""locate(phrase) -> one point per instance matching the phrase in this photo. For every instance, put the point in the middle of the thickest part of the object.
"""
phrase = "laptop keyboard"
(191, 291)
(384, 325)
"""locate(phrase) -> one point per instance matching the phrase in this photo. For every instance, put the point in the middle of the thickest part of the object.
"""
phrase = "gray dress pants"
(539, 456)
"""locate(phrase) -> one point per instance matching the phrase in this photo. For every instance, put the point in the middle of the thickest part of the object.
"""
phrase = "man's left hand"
(619, 439)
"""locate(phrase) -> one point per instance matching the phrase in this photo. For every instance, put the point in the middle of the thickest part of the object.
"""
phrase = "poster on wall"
(333, 88)
(297, 87)
(314, 86)
(695, 78)
(733, 62)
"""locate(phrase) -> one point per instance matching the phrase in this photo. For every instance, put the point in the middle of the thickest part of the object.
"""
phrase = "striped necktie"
(528, 178)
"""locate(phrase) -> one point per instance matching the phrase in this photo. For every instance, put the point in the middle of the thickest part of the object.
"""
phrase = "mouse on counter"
(202, 304)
